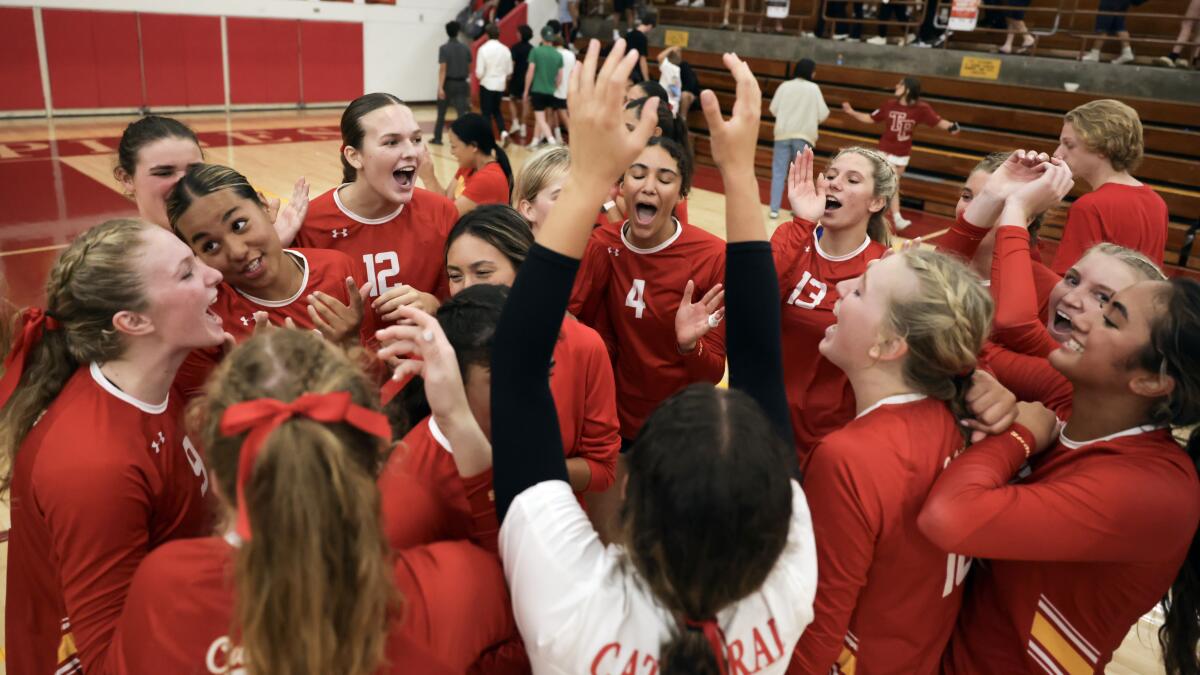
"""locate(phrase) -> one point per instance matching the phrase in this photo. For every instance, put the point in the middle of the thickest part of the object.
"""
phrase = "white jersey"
(568, 64)
(580, 610)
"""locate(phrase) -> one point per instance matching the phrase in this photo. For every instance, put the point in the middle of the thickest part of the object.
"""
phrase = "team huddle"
(476, 427)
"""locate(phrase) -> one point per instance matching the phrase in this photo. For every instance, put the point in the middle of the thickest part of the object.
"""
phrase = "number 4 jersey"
(818, 393)
(403, 247)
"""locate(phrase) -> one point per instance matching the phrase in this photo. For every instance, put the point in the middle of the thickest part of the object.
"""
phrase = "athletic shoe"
(877, 40)
(504, 138)
(683, 3)
(1181, 63)
(900, 222)
(1093, 56)
(838, 37)
(515, 128)
(1125, 57)
(922, 44)
(698, 3)
(910, 38)
(774, 215)
(1165, 61)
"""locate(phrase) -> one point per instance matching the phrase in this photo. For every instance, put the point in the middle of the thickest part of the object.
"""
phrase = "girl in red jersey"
(1102, 143)
(540, 182)
(153, 155)
(302, 580)
(907, 332)
(1108, 503)
(484, 174)
(99, 467)
(716, 567)
(900, 116)
(669, 126)
(811, 259)
(377, 215)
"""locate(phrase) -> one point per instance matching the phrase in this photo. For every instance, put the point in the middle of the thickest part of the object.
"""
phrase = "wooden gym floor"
(56, 181)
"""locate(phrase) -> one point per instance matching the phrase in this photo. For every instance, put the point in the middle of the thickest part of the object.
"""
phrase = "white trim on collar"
(670, 240)
(439, 436)
(152, 408)
(337, 199)
(1075, 445)
(283, 303)
(838, 258)
(898, 399)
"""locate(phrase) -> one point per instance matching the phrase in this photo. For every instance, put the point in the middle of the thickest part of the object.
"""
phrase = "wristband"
(608, 206)
(954, 127)
(1020, 440)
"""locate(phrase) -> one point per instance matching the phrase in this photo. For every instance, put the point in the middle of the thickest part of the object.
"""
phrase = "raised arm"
(860, 116)
(526, 440)
(751, 286)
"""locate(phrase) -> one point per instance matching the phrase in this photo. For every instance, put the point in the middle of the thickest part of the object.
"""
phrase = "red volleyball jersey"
(180, 610)
(898, 123)
(631, 295)
(423, 495)
(1083, 538)
(404, 247)
(100, 481)
(886, 596)
(585, 397)
(1021, 288)
(1133, 216)
(819, 394)
(488, 185)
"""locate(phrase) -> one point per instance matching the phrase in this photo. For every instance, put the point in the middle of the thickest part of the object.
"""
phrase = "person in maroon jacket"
(98, 467)
(1102, 143)
(1086, 524)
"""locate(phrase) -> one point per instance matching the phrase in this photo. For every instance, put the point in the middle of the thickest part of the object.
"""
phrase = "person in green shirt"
(542, 78)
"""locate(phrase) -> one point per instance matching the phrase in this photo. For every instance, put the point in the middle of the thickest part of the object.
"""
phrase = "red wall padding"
(93, 59)
(264, 60)
(181, 57)
(20, 77)
(331, 56)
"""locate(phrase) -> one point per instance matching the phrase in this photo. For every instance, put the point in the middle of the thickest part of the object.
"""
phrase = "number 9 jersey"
(405, 247)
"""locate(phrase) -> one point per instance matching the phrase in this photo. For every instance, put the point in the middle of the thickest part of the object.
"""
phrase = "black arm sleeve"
(526, 441)
(753, 334)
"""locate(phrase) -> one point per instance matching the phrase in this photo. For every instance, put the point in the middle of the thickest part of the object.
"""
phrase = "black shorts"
(559, 103)
(620, 6)
(1111, 24)
(1017, 14)
(542, 101)
(516, 86)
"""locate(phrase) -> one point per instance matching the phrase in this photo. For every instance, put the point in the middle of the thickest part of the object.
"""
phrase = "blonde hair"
(314, 584)
(1135, 260)
(886, 183)
(1112, 129)
(89, 284)
(542, 169)
(944, 324)
(991, 162)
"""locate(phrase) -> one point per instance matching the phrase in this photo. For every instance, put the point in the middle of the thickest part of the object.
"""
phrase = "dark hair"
(452, 29)
(145, 131)
(474, 129)
(913, 85)
(499, 225)
(649, 19)
(1174, 334)
(804, 69)
(469, 320)
(707, 510)
(492, 31)
(204, 179)
(525, 32)
(651, 88)
(672, 126)
(681, 158)
(352, 131)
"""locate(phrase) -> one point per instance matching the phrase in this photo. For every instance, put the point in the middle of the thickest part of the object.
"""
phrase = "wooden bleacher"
(994, 117)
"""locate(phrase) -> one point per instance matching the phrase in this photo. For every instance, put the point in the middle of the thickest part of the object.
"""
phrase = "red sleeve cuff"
(485, 527)
(969, 229)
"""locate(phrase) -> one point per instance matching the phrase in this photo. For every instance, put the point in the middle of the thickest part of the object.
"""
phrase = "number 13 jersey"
(404, 247)
(818, 392)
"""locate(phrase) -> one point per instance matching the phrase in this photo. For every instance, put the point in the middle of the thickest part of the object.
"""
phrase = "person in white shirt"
(560, 93)
(493, 67)
(798, 107)
(670, 76)
(715, 569)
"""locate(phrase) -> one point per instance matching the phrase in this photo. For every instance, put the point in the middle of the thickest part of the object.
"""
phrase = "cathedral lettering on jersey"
(744, 659)
(225, 658)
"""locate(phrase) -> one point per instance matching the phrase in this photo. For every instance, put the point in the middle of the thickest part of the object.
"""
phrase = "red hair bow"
(716, 640)
(34, 322)
(262, 416)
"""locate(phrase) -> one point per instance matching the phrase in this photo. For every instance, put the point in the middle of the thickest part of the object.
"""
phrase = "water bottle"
(840, 59)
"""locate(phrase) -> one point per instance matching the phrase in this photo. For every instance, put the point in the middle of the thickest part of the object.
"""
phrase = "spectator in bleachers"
(568, 16)
(670, 76)
(691, 88)
(1186, 33)
(493, 68)
(728, 4)
(846, 31)
(798, 107)
(518, 99)
(891, 11)
(636, 40)
(454, 66)
(1112, 23)
(1015, 18)
(1102, 142)
(622, 11)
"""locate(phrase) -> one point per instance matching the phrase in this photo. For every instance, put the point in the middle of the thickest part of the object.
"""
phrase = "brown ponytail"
(90, 282)
(314, 584)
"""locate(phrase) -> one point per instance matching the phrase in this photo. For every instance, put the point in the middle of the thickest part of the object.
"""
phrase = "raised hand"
(337, 322)
(1021, 167)
(388, 303)
(694, 319)
(1042, 193)
(289, 219)
(806, 188)
(735, 141)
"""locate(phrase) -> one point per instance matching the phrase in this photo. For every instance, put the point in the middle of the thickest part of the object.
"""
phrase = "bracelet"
(608, 206)
(1020, 440)
(698, 350)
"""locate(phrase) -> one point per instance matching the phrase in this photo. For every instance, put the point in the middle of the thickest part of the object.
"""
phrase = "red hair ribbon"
(262, 416)
(34, 322)
(716, 639)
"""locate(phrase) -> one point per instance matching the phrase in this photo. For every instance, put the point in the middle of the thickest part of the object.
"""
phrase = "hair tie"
(716, 639)
(963, 380)
(34, 323)
(262, 416)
